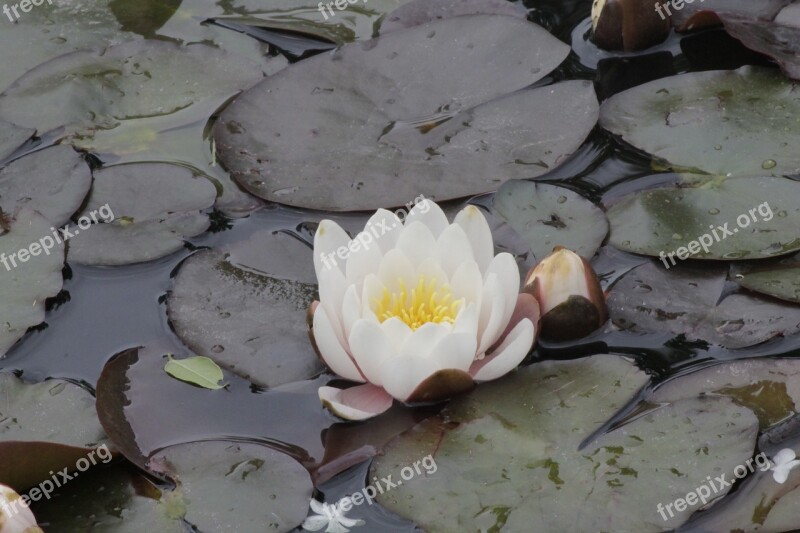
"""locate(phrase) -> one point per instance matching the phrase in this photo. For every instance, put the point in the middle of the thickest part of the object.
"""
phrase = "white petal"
(317, 506)
(327, 240)
(508, 355)
(386, 228)
(506, 272)
(351, 309)
(467, 283)
(781, 475)
(490, 322)
(456, 350)
(784, 456)
(430, 214)
(416, 242)
(371, 348)
(331, 349)
(473, 222)
(370, 293)
(404, 374)
(315, 523)
(431, 269)
(467, 321)
(364, 258)
(453, 249)
(356, 403)
(422, 341)
(396, 331)
(332, 286)
(395, 266)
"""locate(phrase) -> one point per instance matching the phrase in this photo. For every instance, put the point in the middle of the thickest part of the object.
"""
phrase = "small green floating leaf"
(197, 370)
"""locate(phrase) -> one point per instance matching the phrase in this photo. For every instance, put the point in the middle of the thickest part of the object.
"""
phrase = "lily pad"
(25, 286)
(739, 218)
(12, 137)
(416, 111)
(236, 486)
(33, 436)
(780, 280)
(769, 387)
(547, 216)
(690, 301)
(53, 182)
(246, 308)
(419, 12)
(154, 206)
(358, 21)
(741, 122)
(112, 499)
(132, 80)
(500, 461)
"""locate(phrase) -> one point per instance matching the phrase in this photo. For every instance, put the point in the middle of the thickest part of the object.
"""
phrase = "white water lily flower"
(783, 462)
(331, 517)
(417, 311)
(15, 516)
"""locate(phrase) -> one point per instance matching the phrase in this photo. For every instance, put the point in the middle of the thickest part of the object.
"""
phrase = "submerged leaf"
(198, 370)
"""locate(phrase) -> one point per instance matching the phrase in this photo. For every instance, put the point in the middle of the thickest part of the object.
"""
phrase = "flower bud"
(629, 25)
(570, 299)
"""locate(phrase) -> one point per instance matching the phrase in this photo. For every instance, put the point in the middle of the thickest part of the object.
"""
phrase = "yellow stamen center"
(427, 302)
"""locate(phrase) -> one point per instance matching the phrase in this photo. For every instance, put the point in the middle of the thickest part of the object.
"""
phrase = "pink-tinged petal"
(456, 351)
(453, 249)
(442, 385)
(480, 236)
(467, 283)
(527, 307)
(371, 348)
(491, 321)
(355, 403)
(416, 242)
(385, 227)
(402, 375)
(507, 356)
(430, 214)
(328, 239)
(330, 349)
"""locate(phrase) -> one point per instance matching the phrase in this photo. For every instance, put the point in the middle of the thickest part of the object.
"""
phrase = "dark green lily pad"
(416, 111)
(358, 21)
(246, 308)
(12, 137)
(113, 499)
(780, 280)
(133, 80)
(511, 449)
(34, 440)
(547, 216)
(759, 214)
(154, 205)
(236, 486)
(742, 122)
(689, 301)
(26, 287)
(419, 12)
(768, 387)
(53, 182)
